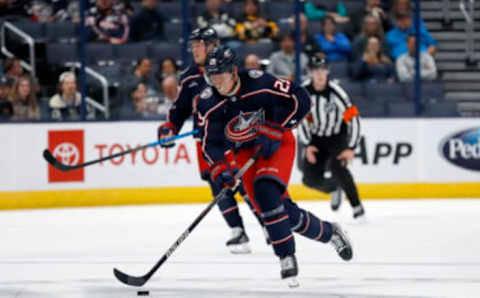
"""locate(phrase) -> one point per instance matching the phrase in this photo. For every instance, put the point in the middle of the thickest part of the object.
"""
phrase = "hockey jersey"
(192, 81)
(258, 97)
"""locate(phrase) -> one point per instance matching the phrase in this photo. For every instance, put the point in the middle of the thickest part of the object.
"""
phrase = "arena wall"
(404, 158)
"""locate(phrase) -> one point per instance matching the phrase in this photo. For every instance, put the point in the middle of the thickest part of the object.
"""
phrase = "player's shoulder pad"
(206, 93)
(188, 72)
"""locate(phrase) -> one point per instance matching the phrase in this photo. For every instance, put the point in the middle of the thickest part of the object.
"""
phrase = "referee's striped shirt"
(331, 111)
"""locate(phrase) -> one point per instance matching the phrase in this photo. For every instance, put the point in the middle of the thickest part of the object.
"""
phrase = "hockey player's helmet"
(207, 35)
(316, 62)
(220, 60)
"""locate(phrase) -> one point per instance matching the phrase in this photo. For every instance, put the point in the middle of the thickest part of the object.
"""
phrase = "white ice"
(414, 248)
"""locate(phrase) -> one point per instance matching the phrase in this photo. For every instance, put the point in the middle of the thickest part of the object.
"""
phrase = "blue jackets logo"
(463, 149)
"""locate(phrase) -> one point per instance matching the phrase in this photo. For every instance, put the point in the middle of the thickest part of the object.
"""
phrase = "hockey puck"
(143, 293)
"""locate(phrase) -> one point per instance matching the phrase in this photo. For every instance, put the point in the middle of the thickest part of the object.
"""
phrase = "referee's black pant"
(313, 174)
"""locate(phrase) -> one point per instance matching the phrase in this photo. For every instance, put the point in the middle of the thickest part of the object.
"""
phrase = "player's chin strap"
(139, 281)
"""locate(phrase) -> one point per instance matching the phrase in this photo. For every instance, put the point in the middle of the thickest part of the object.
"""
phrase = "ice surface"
(415, 248)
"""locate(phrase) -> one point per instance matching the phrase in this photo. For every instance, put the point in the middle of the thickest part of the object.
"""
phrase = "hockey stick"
(65, 168)
(141, 280)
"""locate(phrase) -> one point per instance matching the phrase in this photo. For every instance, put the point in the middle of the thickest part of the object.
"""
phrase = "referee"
(330, 133)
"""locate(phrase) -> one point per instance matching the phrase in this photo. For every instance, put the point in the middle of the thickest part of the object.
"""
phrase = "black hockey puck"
(143, 293)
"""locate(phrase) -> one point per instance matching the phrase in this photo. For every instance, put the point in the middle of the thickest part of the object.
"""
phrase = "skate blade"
(360, 220)
(292, 282)
(243, 248)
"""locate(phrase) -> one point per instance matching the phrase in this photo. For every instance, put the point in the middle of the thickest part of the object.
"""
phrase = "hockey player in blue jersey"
(192, 81)
(248, 111)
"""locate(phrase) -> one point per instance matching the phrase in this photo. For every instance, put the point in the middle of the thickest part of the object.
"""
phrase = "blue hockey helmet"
(220, 60)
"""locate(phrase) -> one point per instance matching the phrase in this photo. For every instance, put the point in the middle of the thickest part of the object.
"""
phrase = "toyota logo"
(67, 153)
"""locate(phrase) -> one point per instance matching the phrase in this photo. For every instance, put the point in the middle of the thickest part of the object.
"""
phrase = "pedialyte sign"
(463, 149)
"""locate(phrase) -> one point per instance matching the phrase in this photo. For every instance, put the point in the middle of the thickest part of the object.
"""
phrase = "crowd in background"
(377, 41)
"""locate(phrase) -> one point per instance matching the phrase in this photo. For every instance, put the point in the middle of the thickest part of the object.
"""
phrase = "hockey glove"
(222, 175)
(166, 130)
(269, 137)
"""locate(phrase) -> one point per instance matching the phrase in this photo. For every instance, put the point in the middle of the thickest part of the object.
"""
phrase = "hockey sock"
(275, 217)
(229, 208)
(246, 198)
(345, 179)
(307, 224)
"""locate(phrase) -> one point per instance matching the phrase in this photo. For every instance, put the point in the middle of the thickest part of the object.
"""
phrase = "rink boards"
(404, 158)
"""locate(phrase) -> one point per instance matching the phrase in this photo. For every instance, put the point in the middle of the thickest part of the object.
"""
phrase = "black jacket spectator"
(107, 23)
(371, 28)
(147, 24)
(372, 7)
(373, 65)
(6, 107)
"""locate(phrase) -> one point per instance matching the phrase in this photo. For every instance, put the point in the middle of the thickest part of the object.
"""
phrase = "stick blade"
(54, 162)
(129, 280)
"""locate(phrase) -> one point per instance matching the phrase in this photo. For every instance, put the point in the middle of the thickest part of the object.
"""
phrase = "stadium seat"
(441, 109)
(262, 49)
(171, 10)
(338, 70)
(314, 28)
(401, 109)
(354, 5)
(113, 73)
(280, 10)
(173, 32)
(385, 92)
(61, 53)
(354, 89)
(34, 29)
(61, 32)
(370, 109)
(162, 50)
(98, 52)
(431, 91)
(131, 52)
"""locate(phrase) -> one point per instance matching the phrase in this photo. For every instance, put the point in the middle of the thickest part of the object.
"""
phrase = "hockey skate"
(289, 270)
(337, 198)
(341, 243)
(238, 243)
(359, 213)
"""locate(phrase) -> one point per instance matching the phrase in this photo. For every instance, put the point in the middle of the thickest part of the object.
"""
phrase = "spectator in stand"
(374, 65)
(169, 67)
(318, 9)
(399, 6)
(397, 37)
(12, 68)
(170, 93)
(147, 24)
(6, 107)
(336, 46)
(24, 99)
(252, 61)
(69, 11)
(406, 64)
(220, 20)
(14, 8)
(372, 8)
(67, 103)
(143, 74)
(282, 63)
(310, 45)
(254, 26)
(371, 27)
(136, 107)
(104, 22)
